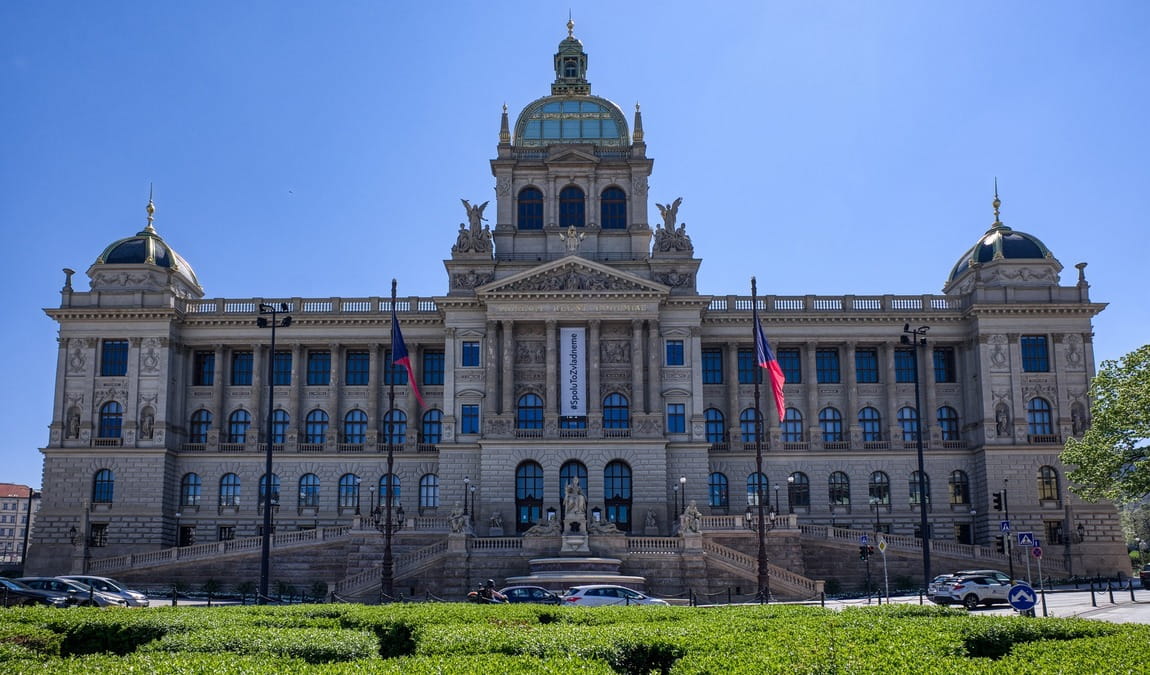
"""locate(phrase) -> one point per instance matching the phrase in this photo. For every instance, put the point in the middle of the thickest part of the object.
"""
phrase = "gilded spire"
(570, 25)
(996, 203)
(151, 211)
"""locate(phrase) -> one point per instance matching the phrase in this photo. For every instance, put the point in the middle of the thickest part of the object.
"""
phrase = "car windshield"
(12, 583)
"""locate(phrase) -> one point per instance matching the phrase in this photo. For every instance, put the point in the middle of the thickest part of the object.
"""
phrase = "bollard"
(822, 598)
(173, 595)
(1110, 589)
(728, 595)
(1131, 589)
(1093, 599)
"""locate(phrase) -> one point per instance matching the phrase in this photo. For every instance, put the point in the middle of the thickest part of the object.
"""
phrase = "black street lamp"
(472, 491)
(466, 485)
(791, 493)
(266, 546)
(683, 493)
(777, 498)
(919, 340)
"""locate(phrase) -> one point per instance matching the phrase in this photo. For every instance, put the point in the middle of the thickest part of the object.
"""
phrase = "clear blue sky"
(321, 148)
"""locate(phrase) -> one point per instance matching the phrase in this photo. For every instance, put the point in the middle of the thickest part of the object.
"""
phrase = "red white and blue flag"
(399, 355)
(765, 357)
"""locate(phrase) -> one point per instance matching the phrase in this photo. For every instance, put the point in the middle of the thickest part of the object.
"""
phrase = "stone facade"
(161, 407)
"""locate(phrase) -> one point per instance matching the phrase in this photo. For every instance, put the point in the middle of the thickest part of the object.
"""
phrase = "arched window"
(715, 425)
(238, 423)
(389, 487)
(355, 427)
(280, 422)
(914, 487)
(309, 491)
(432, 426)
(879, 489)
(871, 424)
(429, 491)
(528, 495)
(530, 206)
(908, 420)
(613, 209)
(230, 490)
(793, 426)
(959, 487)
(839, 489)
(948, 423)
(190, 490)
(529, 412)
(198, 431)
(1038, 417)
(111, 420)
(798, 490)
(617, 494)
(315, 430)
(264, 490)
(831, 423)
(719, 492)
(571, 207)
(103, 487)
(349, 491)
(395, 422)
(756, 486)
(1047, 483)
(572, 469)
(616, 412)
(748, 425)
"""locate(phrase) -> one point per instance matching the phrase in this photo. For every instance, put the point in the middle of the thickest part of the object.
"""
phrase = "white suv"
(600, 594)
(975, 590)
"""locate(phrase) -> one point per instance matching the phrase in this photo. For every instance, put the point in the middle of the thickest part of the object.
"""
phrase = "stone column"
(654, 368)
(927, 415)
(509, 367)
(812, 387)
(374, 396)
(335, 390)
(594, 396)
(449, 361)
(490, 361)
(259, 407)
(410, 404)
(731, 373)
(131, 403)
(850, 384)
(551, 364)
(637, 366)
(890, 415)
(296, 408)
(220, 356)
(695, 362)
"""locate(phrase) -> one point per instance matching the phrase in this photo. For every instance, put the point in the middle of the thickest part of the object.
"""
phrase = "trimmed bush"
(314, 645)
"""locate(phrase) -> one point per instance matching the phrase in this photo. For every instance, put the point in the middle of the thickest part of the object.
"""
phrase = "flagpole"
(764, 564)
(386, 586)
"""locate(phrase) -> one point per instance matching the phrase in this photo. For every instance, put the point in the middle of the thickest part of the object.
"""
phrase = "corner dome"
(1001, 243)
(147, 247)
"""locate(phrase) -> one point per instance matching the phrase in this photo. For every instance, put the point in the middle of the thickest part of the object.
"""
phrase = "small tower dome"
(145, 249)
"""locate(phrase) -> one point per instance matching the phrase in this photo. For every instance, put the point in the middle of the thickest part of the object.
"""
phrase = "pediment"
(572, 274)
(571, 153)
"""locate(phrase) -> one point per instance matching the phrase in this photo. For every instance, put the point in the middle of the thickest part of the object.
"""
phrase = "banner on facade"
(573, 373)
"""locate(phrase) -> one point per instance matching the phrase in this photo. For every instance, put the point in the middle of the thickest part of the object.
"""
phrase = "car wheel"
(970, 601)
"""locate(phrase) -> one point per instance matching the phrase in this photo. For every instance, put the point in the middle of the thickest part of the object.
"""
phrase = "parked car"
(78, 594)
(976, 590)
(605, 594)
(1144, 576)
(1001, 576)
(935, 590)
(112, 587)
(534, 594)
(14, 594)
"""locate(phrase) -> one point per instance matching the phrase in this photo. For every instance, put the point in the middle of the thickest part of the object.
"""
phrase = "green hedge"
(314, 645)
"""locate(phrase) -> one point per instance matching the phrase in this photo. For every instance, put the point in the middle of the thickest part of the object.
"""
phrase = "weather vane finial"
(996, 203)
(151, 210)
(570, 25)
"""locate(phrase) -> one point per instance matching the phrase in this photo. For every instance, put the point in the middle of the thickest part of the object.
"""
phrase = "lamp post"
(472, 491)
(791, 493)
(179, 539)
(371, 503)
(466, 485)
(764, 569)
(266, 545)
(777, 498)
(973, 515)
(919, 340)
(683, 493)
(877, 504)
(386, 574)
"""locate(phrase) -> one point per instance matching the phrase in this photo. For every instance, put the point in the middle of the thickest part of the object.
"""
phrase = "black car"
(535, 594)
(15, 594)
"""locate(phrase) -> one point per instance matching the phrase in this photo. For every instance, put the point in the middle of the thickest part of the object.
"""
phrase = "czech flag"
(399, 355)
(766, 359)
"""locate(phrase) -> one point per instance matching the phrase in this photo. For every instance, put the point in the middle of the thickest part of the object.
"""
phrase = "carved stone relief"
(529, 351)
(77, 358)
(674, 278)
(1002, 420)
(639, 186)
(470, 279)
(1074, 352)
(615, 351)
(999, 356)
(571, 278)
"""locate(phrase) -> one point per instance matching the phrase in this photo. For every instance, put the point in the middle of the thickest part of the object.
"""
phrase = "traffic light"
(862, 552)
(997, 501)
(869, 551)
(1000, 544)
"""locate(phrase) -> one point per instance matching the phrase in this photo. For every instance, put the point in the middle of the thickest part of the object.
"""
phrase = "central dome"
(571, 119)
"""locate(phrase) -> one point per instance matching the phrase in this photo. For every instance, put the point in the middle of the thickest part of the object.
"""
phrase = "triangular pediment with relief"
(571, 153)
(572, 274)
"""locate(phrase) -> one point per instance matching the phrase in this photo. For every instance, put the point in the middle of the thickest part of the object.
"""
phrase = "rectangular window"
(792, 365)
(827, 366)
(204, 369)
(904, 366)
(114, 358)
(469, 355)
(469, 419)
(676, 418)
(866, 366)
(712, 366)
(281, 369)
(241, 369)
(319, 368)
(1035, 355)
(749, 371)
(432, 367)
(393, 373)
(227, 532)
(944, 370)
(1053, 530)
(99, 535)
(357, 368)
(675, 353)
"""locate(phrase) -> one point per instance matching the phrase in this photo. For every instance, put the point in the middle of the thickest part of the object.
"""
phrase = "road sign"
(862, 539)
(1022, 597)
(1026, 539)
(1036, 551)
(1004, 526)
(882, 545)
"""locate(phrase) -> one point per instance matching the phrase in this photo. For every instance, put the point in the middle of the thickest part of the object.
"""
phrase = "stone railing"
(659, 545)
(769, 304)
(749, 564)
(494, 543)
(373, 305)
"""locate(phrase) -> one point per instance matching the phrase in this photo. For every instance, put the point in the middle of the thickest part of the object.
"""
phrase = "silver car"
(603, 594)
(111, 587)
(78, 593)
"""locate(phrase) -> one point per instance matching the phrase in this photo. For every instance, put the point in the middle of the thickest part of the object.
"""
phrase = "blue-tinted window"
(281, 369)
(948, 423)
(675, 353)
(103, 487)
(190, 487)
(349, 491)
(230, 490)
(831, 423)
(793, 426)
(275, 495)
(908, 421)
(839, 489)
(748, 425)
(469, 354)
(1038, 417)
(432, 367)
(871, 423)
(827, 366)
(358, 367)
(315, 427)
(203, 373)
(309, 491)
(757, 488)
(318, 368)
(613, 209)
(712, 366)
(280, 420)
(198, 430)
(241, 368)
(718, 491)
(715, 425)
(1035, 355)
(529, 412)
(791, 364)
(528, 495)
(429, 491)
(432, 431)
(749, 370)
(944, 369)
(904, 366)
(238, 423)
(393, 373)
(571, 205)
(879, 488)
(530, 205)
(389, 485)
(616, 412)
(866, 366)
(114, 358)
(111, 420)
(914, 486)
(617, 494)
(355, 426)
(469, 419)
(395, 424)
(676, 418)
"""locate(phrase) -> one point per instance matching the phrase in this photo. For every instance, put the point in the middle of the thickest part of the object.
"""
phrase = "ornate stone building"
(571, 344)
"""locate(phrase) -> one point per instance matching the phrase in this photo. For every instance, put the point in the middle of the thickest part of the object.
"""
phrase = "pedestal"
(576, 543)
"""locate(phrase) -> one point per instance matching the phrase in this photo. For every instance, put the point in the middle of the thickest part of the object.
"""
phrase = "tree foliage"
(1113, 456)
